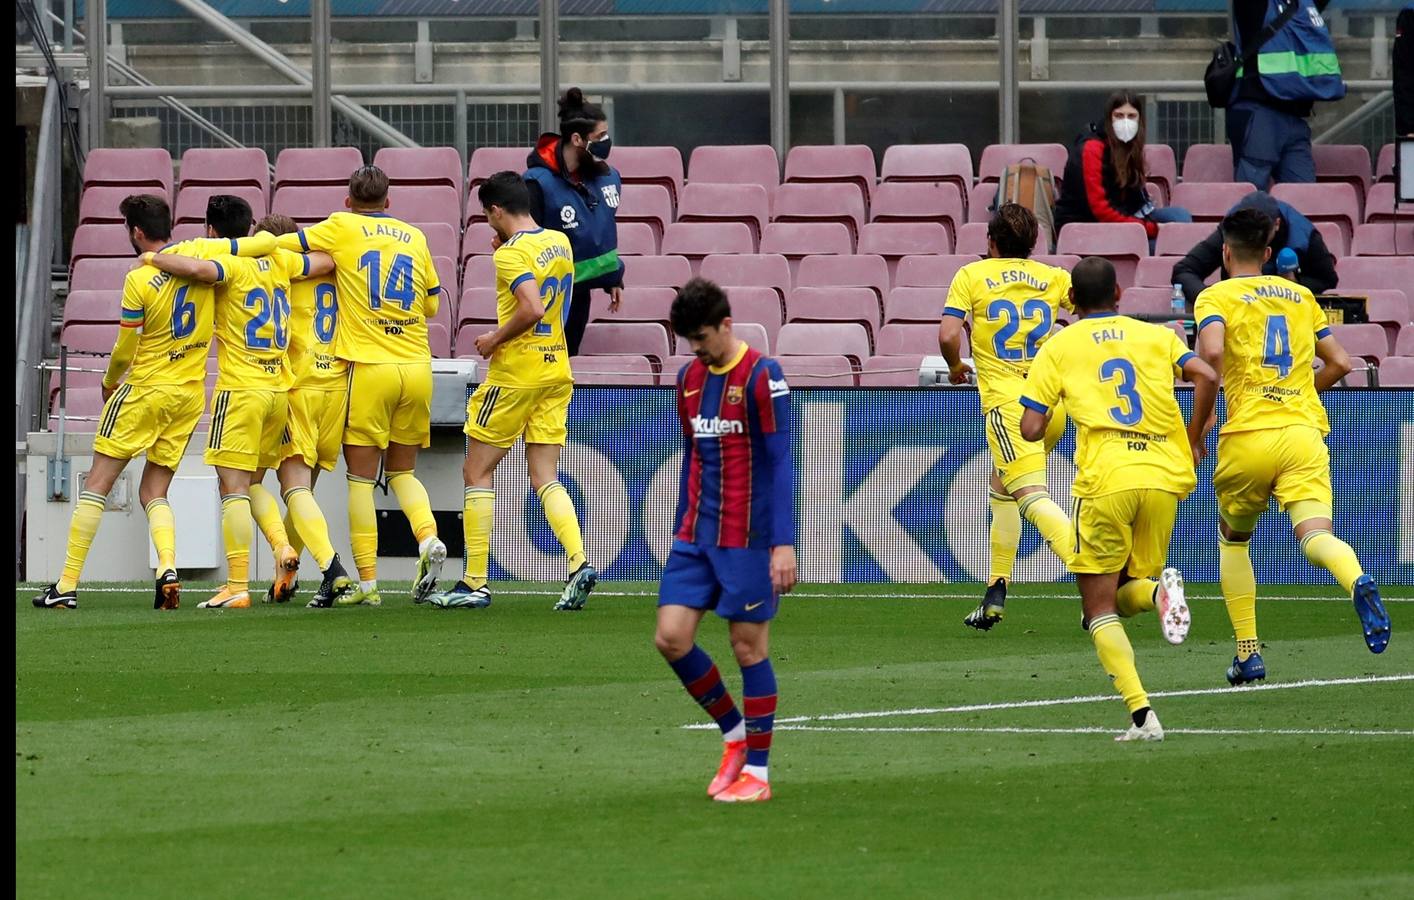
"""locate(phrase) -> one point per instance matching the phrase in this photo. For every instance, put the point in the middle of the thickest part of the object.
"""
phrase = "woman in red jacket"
(1104, 177)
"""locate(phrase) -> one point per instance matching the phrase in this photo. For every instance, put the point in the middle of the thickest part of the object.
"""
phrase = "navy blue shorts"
(733, 583)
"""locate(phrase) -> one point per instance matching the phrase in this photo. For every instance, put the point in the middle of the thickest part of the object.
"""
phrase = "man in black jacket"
(1316, 264)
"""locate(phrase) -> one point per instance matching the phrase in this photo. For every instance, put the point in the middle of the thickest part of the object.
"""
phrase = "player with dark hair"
(387, 291)
(1013, 301)
(1263, 333)
(1134, 462)
(526, 393)
(734, 545)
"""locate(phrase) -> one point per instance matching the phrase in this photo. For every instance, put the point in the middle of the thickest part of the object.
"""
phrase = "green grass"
(404, 751)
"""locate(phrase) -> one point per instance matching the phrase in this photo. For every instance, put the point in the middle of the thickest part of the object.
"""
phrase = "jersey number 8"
(326, 312)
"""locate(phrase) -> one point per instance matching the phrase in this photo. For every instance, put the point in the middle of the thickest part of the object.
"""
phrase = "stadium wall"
(892, 487)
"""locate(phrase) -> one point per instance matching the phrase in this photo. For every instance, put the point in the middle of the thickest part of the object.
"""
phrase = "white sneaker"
(429, 569)
(1174, 617)
(1151, 730)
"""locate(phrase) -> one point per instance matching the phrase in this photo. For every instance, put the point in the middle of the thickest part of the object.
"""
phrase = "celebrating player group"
(322, 345)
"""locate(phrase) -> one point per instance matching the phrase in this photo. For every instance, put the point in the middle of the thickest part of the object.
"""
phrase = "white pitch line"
(962, 729)
(1083, 698)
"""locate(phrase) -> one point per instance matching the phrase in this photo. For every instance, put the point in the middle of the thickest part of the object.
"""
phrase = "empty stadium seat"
(100, 273)
(225, 166)
(1162, 168)
(1337, 242)
(764, 270)
(191, 201)
(442, 239)
(1177, 238)
(1384, 163)
(99, 204)
(421, 166)
(309, 204)
(650, 204)
(640, 304)
(1207, 163)
(915, 305)
(757, 305)
(744, 164)
(1380, 205)
(696, 240)
(1155, 272)
(819, 371)
(1389, 309)
(1122, 243)
(814, 304)
(1065, 261)
(439, 339)
(980, 198)
(823, 339)
(100, 241)
(841, 203)
(753, 333)
(611, 370)
(1404, 343)
(972, 239)
(895, 240)
(1383, 239)
(709, 202)
(1210, 202)
(477, 305)
(89, 337)
(932, 270)
(996, 157)
(637, 239)
(851, 163)
(1366, 345)
(487, 161)
(937, 163)
(891, 371)
(795, 240)
(673, 366)
(900, 338)
(316, 165)
(476, 240)
(1397, 371)
(464, 347)
(1347, 163)
(862, 270)
(188, 231)
(93, 306)
(478, 271)
(446, 280)
(900, 202)
(651, 165)
(1336, 203)
(657, 271)
(1147, 303)
(1379, 272)
(633, 338)
(135, 168)
(82, 408)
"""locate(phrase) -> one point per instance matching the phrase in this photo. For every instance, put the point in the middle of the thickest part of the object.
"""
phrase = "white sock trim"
(367, 586)
(758, 771)
(736, 734)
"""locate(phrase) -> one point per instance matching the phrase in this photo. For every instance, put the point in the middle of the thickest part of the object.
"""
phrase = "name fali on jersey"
(381, 230)
(715, 427)
(1107, 334)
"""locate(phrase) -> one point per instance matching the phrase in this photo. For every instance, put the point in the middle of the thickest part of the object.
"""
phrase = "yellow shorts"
(1124, 531)
(389, 403)
(1291, 463)
(316, 427)
(1019, 462)
(497, 415)
(247, 429)
(157, 419)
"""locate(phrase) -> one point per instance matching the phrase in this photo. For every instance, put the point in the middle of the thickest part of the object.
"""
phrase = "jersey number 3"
(1131, 408)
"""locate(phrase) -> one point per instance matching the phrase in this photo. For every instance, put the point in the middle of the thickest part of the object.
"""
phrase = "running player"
(1263, 332)
(1012, 300)
(526, 392)
(387, 290)
(165, 334)
(734, 546)
(1133, 464)
(250, 407)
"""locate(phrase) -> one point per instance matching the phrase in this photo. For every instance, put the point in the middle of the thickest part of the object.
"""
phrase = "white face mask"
(1125, 130)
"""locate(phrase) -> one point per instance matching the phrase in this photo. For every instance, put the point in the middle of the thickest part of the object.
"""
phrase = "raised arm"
(189, 267)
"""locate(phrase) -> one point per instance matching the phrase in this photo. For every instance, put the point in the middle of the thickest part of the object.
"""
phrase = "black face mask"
(600, 149)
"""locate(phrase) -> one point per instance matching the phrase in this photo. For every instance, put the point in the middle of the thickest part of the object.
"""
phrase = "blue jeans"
(1269, 146)
(1168, 214)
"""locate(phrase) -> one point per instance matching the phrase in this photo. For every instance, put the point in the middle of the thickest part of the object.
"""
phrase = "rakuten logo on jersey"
(715, 427)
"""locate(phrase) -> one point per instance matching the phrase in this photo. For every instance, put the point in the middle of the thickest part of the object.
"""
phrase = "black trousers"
(579, 318)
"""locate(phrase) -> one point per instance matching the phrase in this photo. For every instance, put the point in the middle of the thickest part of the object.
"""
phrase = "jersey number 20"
(276, 310)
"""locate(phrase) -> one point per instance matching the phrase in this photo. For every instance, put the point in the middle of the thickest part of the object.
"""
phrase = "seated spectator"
(1104, 177)
(1315, 264)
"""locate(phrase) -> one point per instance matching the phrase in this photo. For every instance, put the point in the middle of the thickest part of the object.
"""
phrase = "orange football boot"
(746, 789)
(226, 599)
(733, 758)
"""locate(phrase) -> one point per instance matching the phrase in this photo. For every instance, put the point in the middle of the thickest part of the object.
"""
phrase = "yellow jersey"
(1013, 304)
(175, 316)
(386, 281)
(1272, 326)
(539, 355)
(1115, 375)
(253, 320)
(314, 318)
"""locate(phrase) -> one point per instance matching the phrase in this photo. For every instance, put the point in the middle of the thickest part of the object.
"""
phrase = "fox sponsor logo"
(716, 427)
(393, 329)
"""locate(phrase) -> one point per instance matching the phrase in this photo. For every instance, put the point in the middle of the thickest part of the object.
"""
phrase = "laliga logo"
(567, 216)
(716, 427)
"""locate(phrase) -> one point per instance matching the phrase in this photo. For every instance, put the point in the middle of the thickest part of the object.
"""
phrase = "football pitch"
(518, 752)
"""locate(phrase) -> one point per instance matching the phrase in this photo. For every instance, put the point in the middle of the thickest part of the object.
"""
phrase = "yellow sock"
(559, 512)
(1040, 510)
(83, 525)
(412, 497)
(1117, 658)
(163, 527)
(1334, 555)
(1006, 535)
(478, 515)
(238, 529)
(1239, 584)
(1135, 597)
(291, 532)
(310, 524)
(267, 516)
(363, 527)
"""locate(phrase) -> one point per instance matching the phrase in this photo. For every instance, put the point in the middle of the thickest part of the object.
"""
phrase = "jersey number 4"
(1276, 353)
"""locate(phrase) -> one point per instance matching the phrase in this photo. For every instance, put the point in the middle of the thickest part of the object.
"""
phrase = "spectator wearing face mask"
(573, 190)
(1104, 177)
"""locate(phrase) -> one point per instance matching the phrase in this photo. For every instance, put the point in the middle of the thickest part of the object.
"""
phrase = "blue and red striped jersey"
(737, 487)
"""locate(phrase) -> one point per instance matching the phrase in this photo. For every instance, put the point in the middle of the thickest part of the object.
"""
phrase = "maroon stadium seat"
(744, 164)
(101, 307)
(1207, 163)
(795, 240)
(487, 161)
(851, 163)
(1209, 202)
(478, 272)
(1382, 239)
(447, 280)
(996, 157)
(895, 240)
(92, 337)
(1177, 238)
(100, 273)
(615, 369)
(746, 203)
(758, 269)
(941, 203)
(421, 166)
(757, 305)
(1366, 341)
(651, 165)
(1162, 168)
(1347, 163)
(1397, 371)
(1122, 243)
(99, 204)
(891, 371)
(1379, 272)
(634, 338)
(820, 203)
(1404, 343)
(814, 304)
(980, 198)
(316, 165)
(82, 408)
(1147, 303)
(1156, 272)
(657, 271)
(101, 241)
(1336, 203)
(191, 201)
(753, 333)
(824, 339)
(476, 240)
(901, 338)
(915, 305)
(309, 204)
(134, 168)
(647, 203)
(1380, 205)
(1337, 242)
(477, 305)
(863, 270)
(696, 240)
(937, 163)
(637, 239)
(225, 166)
(439, 339)
(819, 371)
(425, 203)
(1384, 163)
(442, 239)
(931, 270)
(640, 304)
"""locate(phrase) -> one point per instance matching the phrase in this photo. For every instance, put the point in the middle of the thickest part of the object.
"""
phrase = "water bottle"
(1180, 303)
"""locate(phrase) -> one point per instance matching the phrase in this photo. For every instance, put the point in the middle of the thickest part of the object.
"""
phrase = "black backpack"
(1221, 75)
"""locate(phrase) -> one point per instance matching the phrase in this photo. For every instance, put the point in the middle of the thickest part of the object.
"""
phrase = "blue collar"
(1100, 315)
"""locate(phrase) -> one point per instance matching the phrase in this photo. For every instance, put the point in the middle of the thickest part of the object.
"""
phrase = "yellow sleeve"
(323, 236)
(1208, 308)
(296, 265)
(433, 300)
(1044, 387)
(1061, 286)
(131, 323)
(513, 266)
(229, 267)
(959, 295)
